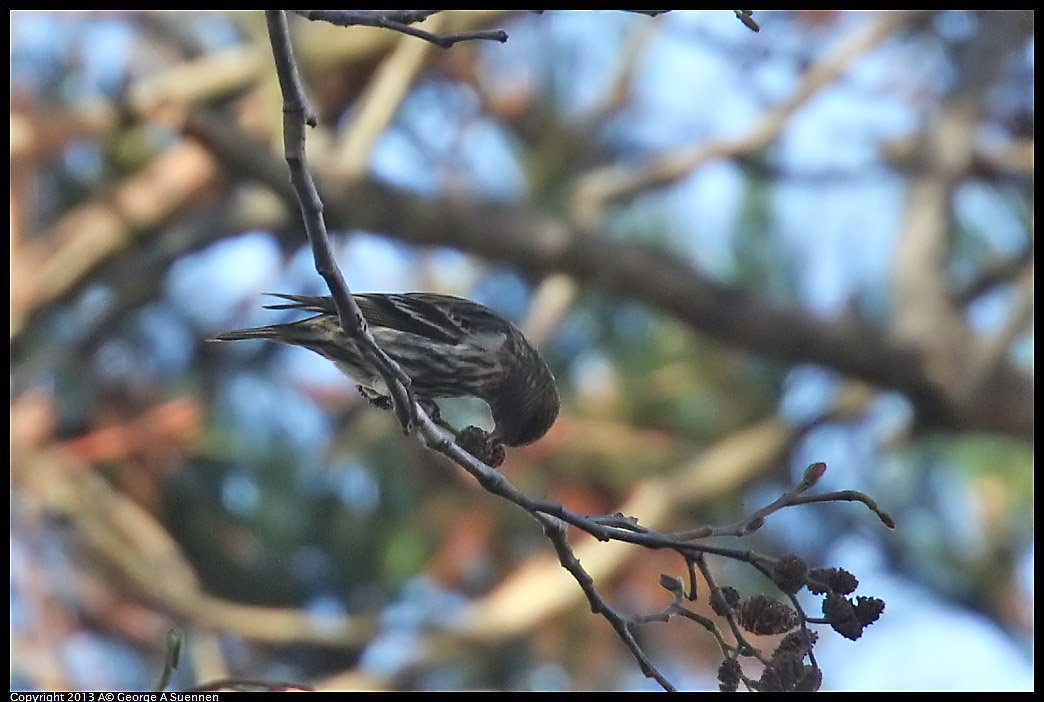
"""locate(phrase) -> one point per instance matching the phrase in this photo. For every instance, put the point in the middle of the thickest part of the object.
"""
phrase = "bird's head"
(527, 402)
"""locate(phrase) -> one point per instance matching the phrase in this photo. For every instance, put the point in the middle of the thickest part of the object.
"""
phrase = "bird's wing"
(413, 313)
(442, 318)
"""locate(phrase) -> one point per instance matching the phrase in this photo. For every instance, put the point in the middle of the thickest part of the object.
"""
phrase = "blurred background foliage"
(247, 495)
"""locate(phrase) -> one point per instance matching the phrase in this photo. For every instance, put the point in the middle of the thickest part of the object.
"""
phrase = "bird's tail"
(278, 332)
(309, 303)
(271, 332)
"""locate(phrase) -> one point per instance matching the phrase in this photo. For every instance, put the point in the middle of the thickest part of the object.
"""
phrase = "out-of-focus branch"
(1013, 160)
(385, 92)
(993, 351)
(924, 313)
(540, 245)
(555, 295)
(995, 273)
(600, 188)
(926, 316)
(551, 301)
(100, 229)
(626, 66)
(120, 536)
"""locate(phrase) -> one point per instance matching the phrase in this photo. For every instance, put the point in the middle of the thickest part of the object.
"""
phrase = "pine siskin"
(449, 347)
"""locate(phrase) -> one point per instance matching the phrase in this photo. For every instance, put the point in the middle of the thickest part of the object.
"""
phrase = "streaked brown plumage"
(448, 346)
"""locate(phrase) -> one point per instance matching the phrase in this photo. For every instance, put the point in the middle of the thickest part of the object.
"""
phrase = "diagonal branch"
(296, 114)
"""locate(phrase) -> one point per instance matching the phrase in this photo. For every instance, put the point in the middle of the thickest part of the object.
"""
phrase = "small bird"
(448, 346)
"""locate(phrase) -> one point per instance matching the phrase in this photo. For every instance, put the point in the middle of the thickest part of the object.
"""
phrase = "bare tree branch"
(541, 245)
(996, 273)
(296, 114)
(400, 21)
(926, 317)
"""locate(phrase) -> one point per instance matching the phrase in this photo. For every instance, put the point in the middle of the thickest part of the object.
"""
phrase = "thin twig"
(170, 659)
(848, 496)
(556, 532)
(400, 21)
